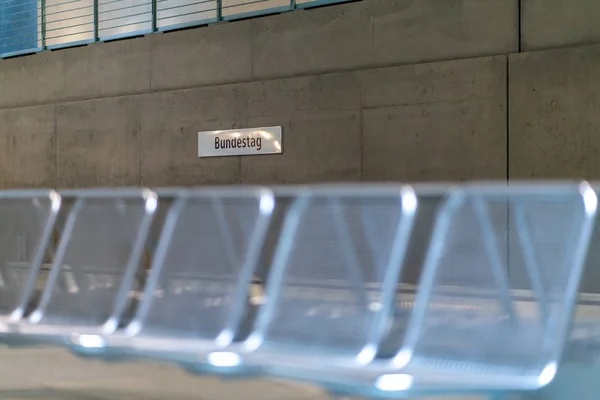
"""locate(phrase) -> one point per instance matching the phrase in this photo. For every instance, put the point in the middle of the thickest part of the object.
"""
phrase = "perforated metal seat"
(26, 221)
(491, 313)
(196, 298)
(496, 296)
(96, 263)
(523, 248)
(333, 281)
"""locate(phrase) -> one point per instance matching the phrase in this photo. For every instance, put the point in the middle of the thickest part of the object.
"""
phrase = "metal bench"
(94, 268)
(196, 298)
(26, 221)
(491, 313)
(332, 284)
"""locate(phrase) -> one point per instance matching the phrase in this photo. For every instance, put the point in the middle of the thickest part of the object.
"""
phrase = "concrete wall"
(547, 24)
(368, 34)
(430, 121)
(373, 90)
(554, 119)
(357, 87)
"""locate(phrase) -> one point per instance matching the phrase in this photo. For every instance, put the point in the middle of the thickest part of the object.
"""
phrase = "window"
(19, 26)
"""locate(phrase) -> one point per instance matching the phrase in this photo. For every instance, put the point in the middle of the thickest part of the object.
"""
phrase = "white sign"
(240, 142)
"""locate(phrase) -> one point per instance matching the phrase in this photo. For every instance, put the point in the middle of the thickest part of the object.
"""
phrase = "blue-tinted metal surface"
(20, 26)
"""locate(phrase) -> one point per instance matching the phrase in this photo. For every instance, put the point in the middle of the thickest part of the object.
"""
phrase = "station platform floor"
(51, 373)
(47, 373)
